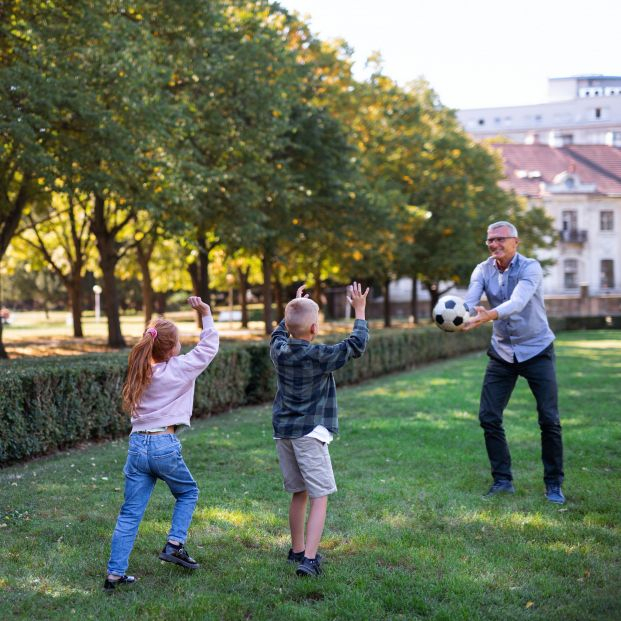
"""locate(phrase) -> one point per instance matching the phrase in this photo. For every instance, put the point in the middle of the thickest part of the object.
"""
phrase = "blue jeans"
(500, 379)
(151, 457)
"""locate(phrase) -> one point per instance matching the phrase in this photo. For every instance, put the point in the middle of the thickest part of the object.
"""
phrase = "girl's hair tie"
(152, 332)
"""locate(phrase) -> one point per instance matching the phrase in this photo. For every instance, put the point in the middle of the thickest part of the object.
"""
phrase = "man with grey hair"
(521, 346)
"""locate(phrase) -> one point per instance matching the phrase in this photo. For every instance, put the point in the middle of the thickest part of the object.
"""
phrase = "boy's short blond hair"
(300, 315)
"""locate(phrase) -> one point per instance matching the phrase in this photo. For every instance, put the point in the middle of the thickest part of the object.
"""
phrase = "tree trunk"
(3, 353)
(279, 294)
(75, 298)
(203, 273)
(193, 271)
(108, 260)
(12, 215)
(201, 280)
(434, 294)
(243, 294)
(387, 320)
(159, 302)
(267, 291)
(414, 300)
(148, 303)
(111, 299)
(317, 288)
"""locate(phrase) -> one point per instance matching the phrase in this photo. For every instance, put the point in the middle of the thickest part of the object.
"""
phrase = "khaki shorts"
(305, 465)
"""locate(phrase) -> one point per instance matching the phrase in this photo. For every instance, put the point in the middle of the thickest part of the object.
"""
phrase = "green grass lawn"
(408, 535)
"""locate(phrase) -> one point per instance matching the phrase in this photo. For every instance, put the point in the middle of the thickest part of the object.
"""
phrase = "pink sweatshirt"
(169, 397)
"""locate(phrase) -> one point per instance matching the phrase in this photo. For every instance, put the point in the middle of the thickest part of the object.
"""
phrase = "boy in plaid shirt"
(305, 415)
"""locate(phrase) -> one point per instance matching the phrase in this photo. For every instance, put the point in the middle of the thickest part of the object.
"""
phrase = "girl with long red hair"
(158, 394)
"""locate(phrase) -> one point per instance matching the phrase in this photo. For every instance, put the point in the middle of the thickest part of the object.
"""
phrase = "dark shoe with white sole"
(554, 494)
(178, 555)
(110, 585)
(295, 557)
(501, 486)
(298, 557)
(309, 567)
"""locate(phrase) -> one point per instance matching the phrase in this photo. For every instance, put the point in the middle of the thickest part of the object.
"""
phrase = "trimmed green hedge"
(55, 403)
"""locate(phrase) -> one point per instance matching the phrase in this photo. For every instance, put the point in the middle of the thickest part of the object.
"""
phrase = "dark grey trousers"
(498, 384)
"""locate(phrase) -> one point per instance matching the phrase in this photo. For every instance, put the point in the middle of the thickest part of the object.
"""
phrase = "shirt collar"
(293, 341)
(512, 262)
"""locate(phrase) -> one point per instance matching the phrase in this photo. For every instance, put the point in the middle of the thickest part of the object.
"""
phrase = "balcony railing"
(573, 236)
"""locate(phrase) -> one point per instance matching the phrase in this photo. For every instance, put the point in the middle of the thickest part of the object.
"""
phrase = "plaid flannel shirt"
(306, 392)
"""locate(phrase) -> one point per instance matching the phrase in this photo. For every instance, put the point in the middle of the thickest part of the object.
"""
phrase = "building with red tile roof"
(580, 188)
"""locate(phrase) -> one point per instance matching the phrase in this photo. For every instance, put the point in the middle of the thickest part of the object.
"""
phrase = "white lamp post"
(97, 292)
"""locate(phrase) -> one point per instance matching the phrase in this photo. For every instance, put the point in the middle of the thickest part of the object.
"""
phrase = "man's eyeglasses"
(499, 240)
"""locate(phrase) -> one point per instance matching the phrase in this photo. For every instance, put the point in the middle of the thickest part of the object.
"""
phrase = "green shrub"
(391, 351)
(593, 322)
(55, 403)
(59, 402)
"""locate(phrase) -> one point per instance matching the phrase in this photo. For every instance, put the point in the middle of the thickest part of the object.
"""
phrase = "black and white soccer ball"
(451, 313)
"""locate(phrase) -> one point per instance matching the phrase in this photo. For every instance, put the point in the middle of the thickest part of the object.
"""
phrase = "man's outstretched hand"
(483, 316)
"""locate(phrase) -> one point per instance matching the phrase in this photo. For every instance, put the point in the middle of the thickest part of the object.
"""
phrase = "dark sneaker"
(502, 486)
(309, 567)
(554, 493)
(178, 555)
(110, 585)
(298, 557)
(295, 557)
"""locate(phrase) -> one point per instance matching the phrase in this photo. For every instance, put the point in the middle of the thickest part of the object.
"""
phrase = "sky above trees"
(481, 53)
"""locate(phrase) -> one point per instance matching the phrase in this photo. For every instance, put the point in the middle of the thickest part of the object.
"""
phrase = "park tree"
(236, 84)
(59, 230)
(28, 99)
(459, 189)
(108, 130)
(387, 127)
(321, 162)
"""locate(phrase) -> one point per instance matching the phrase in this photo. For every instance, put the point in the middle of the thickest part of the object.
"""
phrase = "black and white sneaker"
(177, 554)
(502, 486)
(110, 585)
(298, 557)
(309, 567)
(295, 557)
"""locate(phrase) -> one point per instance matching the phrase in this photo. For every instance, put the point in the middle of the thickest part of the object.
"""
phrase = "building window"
(570, 271)
(567, 139)
(598, 113)
(607, 274)
(570, 220)
(481, 121)
(606, 221)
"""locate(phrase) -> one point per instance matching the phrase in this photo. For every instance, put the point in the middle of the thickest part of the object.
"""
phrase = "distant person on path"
(305, 415)
(522, 345)
(159, 394)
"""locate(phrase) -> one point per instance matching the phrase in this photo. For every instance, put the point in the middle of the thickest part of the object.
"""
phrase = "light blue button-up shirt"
(516, 294)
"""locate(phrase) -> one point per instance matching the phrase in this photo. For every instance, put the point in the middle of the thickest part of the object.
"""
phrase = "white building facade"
(580, 110)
